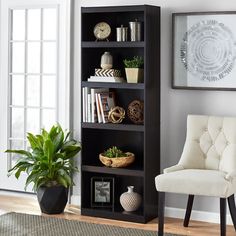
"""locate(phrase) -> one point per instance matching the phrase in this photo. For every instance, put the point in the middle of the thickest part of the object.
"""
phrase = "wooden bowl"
(117, 161)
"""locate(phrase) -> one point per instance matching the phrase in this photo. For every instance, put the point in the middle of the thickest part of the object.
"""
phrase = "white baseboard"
(197, 215)
(75, 200)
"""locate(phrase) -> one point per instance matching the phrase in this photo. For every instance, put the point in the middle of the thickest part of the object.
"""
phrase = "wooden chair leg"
(188, 210)
(222, 216)
(232, 209)
(161, 209)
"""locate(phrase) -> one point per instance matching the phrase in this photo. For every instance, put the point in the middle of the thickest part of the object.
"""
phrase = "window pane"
(15, 145)
(48, 118)
(33, 57)
(32, 120)
(34, 20)
(18, 57)
(49, 91)
(17, 126)
(18, 24)
(49, 57)
(49, 24)
(18, 90)
(33, 91)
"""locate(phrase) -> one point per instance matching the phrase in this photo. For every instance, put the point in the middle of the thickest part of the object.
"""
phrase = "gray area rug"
(16, 224)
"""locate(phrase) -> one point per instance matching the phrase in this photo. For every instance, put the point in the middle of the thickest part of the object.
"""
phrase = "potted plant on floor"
(133, 69)
(49, 165)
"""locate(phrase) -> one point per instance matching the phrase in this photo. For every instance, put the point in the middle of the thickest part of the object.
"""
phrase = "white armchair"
(207, 167)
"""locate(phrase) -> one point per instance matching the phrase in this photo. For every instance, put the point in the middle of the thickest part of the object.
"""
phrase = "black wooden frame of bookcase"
(142, 176)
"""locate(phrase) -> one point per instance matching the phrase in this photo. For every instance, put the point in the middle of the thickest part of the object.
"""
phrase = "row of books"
(97, 103)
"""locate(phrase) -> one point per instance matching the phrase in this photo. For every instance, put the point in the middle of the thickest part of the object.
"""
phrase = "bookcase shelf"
(112, 85)
(111, 44)
(114, 171)
(110, 126)
(142, 140)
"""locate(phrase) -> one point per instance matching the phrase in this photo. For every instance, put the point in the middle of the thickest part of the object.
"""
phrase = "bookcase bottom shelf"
(136, 217)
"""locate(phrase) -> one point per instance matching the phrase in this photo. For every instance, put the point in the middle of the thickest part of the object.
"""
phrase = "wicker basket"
(117, 161)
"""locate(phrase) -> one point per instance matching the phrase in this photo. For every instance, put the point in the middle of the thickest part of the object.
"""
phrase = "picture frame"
(204, 50)
(102, 192)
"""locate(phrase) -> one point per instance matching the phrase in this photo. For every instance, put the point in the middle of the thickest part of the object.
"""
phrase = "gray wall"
(175, 104)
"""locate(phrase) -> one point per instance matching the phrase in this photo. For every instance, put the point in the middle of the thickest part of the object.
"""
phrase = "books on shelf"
(106, 102)
(94, 112)
(108, 79)
(97, 103)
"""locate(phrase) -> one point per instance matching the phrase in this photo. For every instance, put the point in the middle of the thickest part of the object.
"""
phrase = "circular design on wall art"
(208, 50)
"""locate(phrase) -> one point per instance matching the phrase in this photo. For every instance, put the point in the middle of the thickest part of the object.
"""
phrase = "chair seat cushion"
(196, 182)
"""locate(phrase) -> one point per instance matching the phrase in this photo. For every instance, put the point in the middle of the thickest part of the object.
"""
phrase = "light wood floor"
(28, 204)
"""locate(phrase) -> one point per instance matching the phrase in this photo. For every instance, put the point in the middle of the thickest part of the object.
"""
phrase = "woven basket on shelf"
(117, 161)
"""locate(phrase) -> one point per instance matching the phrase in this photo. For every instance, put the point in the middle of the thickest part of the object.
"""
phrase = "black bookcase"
(143, 140)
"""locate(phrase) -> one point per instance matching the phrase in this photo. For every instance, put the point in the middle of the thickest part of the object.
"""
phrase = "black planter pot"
(52, 200)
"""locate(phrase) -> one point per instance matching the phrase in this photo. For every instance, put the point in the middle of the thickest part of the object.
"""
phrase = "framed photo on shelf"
(204, 50)
(102, 192)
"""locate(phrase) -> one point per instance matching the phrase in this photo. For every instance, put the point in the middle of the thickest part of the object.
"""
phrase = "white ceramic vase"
(130, 200)
(106, 61)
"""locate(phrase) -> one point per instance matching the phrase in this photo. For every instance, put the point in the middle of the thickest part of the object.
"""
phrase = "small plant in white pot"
(49, 165)
(134, 69)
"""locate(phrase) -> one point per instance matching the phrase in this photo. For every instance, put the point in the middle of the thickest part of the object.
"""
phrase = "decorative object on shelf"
(135, 30)
(108, 72)
(130, 200)
(102, 192)
(102, 31)
(121, 34)
(106, 61)
(116, 115)
(49, 167)
(204, 52)
(133, 69)
(135, 111)
(114, 157)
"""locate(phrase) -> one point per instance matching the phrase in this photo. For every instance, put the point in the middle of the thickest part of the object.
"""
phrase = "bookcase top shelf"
(112, 44)
(112, 85)
(131, 9)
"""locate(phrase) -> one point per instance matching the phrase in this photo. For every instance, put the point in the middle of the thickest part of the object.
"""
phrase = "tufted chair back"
(210, 143)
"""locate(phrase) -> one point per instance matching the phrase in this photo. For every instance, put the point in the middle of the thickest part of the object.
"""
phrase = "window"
(33, 72)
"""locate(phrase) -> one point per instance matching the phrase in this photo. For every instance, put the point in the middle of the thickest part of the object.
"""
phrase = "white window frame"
(63, 98)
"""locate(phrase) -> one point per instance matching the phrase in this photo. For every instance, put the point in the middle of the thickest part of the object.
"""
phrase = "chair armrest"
(173, 168)
(230, 175)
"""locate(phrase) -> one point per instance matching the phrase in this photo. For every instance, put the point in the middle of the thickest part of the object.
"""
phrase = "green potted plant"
(49, 166)
(115, 157)
(133, 69)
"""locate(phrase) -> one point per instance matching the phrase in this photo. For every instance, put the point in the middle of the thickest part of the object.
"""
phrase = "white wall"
(176, 104)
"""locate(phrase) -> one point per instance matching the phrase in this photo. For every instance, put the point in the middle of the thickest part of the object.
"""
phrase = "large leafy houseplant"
(48, 163)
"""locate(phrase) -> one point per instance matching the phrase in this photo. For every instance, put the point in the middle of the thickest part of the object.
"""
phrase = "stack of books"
(107, 75)
(97, 103)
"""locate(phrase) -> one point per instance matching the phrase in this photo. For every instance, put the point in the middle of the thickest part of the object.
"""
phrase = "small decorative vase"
(130, 200)
(106, 61)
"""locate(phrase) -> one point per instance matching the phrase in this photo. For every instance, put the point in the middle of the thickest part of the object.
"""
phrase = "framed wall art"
(204, 50)
(102, 192)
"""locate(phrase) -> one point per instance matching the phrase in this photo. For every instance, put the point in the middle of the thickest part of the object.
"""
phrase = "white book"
(98, 109)
(94, 117)
(89, 108)
(84, 105)
(106, 79)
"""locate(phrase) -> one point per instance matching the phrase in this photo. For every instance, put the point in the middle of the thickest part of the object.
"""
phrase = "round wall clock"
(102, 31)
